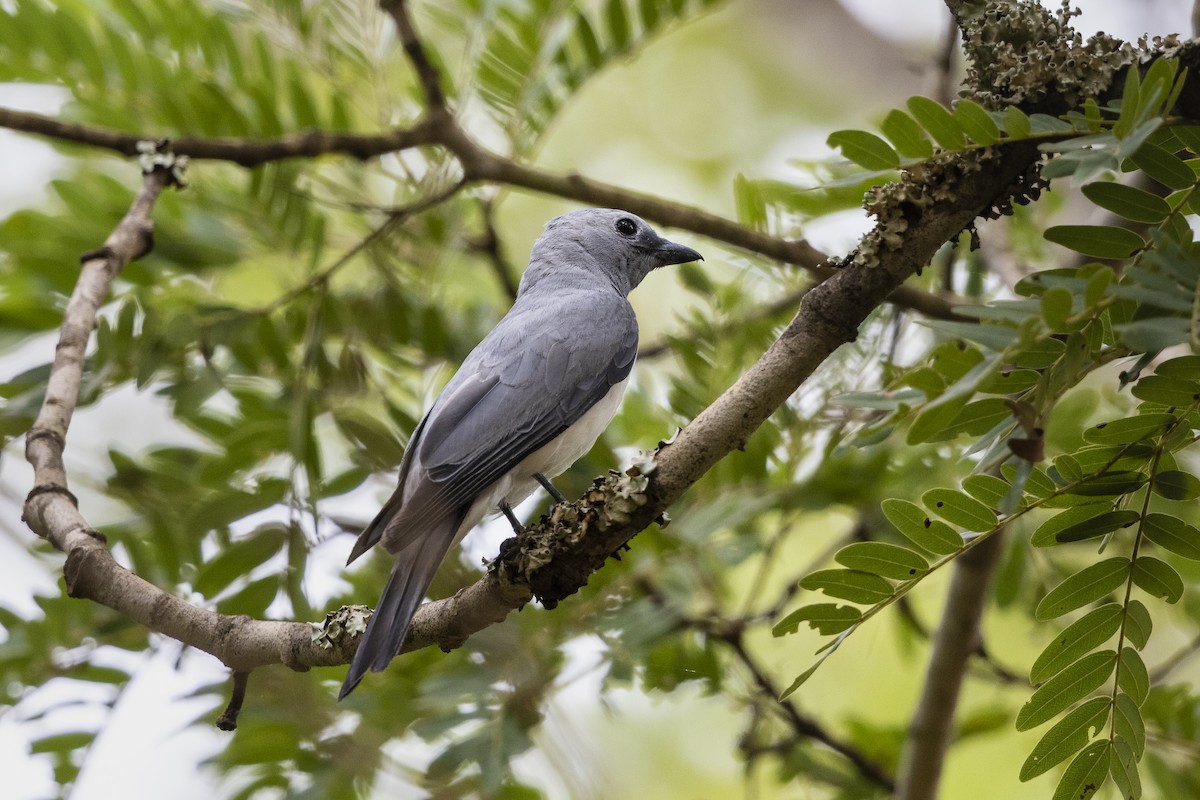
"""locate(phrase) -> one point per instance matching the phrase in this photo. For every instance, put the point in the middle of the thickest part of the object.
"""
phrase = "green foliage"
(1066, 324)
(534, 57)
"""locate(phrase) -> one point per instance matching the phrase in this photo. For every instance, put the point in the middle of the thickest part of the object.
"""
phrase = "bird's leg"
(558, 496)
(517, 527)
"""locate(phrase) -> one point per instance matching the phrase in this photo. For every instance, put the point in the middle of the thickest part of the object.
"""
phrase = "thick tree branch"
(50, 509)
(133, 237)
(957, 639)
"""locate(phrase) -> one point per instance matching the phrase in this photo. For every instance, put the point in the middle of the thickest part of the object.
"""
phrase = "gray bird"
(528, 401)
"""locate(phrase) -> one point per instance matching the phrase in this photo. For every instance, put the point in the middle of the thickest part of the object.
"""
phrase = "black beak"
(672, 253)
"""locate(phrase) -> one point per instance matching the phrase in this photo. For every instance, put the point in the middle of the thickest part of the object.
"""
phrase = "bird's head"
(606, 243)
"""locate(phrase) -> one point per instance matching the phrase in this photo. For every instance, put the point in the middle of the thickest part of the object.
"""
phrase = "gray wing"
(530, 379)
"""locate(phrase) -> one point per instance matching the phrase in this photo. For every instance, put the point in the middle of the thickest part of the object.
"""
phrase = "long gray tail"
(415, 566)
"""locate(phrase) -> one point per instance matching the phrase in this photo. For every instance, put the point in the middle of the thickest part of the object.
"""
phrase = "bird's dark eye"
(626, 226)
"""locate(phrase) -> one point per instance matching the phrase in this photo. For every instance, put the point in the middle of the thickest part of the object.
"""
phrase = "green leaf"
(1186, 367)
(977, 122)
(915, 524)
(1067, 737)
(1086, 586)
(906, 135)
(62, 742)
(881, 558)
(618, 23)
(1176, 485)
(1109, 484)
(1173, 534)
(826, 618)
(1067, 687)
(987, 489)
(1129, 202)
(1169, 391)
(1097, 286)
(847, 584)
(1040, 354)
(936, 417)
(1079, 638)
(1131, 98)
(253, 599)
(975, 419)
(377, 441)
(1138, 624)
(1188, 136)
(238, 559)
(1129, 429)
(1010, 381)
(1158, 579)
(1157, 333)
(1069, 468)
(1044, 123)
(993, 337)
(1098, 241)
(1132, 676)
(803, 677)
(1047, 533)
(941, 124)
(1016, 123)
(1128, 724)
(1056, 307)
(1085, 775)
(1098, 526)
(865, 149)
(960, 509)
(1162, 165)
(1124, 770)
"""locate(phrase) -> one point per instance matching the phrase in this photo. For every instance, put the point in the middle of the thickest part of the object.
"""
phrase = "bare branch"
(804, 726)
(480, 165)
(50, 509)
(942, 88)
(427, 74)
(731, 633)
(1160, 673)
(244, 152)
(489, 245)
(132, 238)
(956, 640)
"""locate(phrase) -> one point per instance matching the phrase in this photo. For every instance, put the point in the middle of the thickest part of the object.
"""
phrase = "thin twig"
(394, 217)
(802, 725)
(427, 74)
(489, 244)
(237, 695)
(731, 633)
(788, 304)
(943, 76)
(246, 152)
(479, 165)
(1174, 661)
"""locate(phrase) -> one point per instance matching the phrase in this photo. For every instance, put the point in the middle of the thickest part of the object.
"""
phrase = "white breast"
(551, 459)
